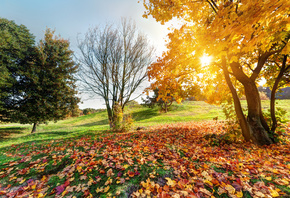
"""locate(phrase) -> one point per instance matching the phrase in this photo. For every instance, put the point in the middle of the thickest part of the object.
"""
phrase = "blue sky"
(70, 18)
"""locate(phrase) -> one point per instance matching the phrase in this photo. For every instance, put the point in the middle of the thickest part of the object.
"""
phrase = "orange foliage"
(175, 73)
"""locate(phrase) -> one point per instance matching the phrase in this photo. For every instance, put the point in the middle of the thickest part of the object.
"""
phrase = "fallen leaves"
(161, 162)
(110, 173)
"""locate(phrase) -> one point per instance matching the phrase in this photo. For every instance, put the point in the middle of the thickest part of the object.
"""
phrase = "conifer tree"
(43, 87)
(50, 90)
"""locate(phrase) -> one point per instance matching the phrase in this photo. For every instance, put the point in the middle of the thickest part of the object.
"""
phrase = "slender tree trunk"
(273, 94)
(34, 128)
(165, 107)
(110, 115)
(246, 130)
(259, 133)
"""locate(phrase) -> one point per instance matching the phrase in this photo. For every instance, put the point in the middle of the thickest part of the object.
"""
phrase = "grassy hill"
(96, 123)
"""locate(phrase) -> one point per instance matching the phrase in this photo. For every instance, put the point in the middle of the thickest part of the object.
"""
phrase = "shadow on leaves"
(6, 133)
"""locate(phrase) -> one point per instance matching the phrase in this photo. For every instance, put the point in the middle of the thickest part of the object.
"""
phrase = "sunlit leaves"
(175, 73)
(286, 49)
(250, 20)
(238, 35)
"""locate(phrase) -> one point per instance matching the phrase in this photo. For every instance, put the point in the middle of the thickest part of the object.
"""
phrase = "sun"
(205, 60)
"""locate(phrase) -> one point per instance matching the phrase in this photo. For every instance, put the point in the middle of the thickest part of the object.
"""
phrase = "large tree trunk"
(259, 129)
(34, 128)
(254, 127)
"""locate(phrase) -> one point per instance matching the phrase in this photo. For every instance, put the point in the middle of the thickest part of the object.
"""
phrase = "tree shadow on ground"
(137, 116)
(144, 114)
(100, 122)
(38, 135)
(6, 133)
(47, 137)
(49, 133)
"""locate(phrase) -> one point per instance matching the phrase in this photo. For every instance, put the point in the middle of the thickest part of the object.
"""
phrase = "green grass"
(14, 133)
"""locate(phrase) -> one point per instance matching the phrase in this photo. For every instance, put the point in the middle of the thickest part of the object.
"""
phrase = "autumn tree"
(113, 63)
(155, 100)
(173, 75)
(46, 90)
(241, 36)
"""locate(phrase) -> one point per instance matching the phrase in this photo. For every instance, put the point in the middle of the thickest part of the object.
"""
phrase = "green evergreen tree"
(16, 45)
(50, 90)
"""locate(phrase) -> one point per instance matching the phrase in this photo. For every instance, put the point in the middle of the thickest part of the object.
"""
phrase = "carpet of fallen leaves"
(176, 160)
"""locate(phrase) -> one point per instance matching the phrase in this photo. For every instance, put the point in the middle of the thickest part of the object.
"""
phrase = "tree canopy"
(240, 36)
(16, 45)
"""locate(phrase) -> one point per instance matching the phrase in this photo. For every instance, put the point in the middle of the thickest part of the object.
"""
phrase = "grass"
(96, 123)
(78, 157)
(17, 133)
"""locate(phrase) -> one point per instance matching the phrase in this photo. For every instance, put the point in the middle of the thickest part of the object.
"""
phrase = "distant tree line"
(88, 111)
(283, 93)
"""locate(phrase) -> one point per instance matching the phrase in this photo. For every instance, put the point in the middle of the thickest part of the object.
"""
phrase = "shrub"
(133, 104)
(233, 131)
(263, 96)
(88, 111)
(281, 122)
(121, 123)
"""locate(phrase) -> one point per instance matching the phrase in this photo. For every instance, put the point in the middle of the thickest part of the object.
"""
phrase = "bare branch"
(113, 62)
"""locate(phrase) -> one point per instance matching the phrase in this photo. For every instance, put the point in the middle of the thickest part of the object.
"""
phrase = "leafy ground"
(174, 160)
(79, 158)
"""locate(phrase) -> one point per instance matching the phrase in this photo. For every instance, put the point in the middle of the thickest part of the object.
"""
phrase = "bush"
(233, 131)
(128, 123)
(281, 122)
(88, 111)
(121, 123)
(133, 104)
(263, 96)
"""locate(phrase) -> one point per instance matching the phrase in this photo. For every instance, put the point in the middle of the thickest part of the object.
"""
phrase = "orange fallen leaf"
(131, 174)
(106, 189)
(110, 173)
(166, 188)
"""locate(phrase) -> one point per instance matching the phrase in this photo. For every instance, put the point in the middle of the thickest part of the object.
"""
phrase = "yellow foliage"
(227, 29)
(286, 49)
